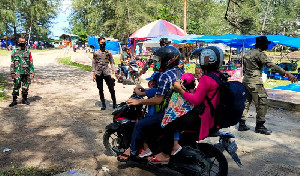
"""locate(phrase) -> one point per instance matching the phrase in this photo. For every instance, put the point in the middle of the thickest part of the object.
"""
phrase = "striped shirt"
(167, 79)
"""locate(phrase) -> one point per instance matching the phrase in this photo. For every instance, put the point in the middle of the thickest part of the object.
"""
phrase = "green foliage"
(30, 17)
(270, 83)
(28, 171)
(67, 61)
(3, 86)
(120, 18)
(4, 52)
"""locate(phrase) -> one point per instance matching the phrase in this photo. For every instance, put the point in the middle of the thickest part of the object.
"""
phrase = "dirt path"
(63, 126)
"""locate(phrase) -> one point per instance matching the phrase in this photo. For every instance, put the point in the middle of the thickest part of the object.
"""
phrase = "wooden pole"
(184, 16)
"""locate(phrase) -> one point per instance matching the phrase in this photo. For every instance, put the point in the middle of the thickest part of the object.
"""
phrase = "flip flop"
(154, 160)
(178, 150)
(122, 159)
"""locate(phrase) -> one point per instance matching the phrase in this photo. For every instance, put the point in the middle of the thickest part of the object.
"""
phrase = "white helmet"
(211, 58)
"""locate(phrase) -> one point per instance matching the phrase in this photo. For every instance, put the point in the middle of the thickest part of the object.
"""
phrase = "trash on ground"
(3, 91)
(105, 169)
(72, 171)
(6, 150)
(280, 109)
(71, 150)
(100, 131)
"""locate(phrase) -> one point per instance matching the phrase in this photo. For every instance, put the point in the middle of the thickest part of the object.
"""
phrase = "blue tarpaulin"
(9, 42)
(292, 87)
(112, 46)
(292, 43)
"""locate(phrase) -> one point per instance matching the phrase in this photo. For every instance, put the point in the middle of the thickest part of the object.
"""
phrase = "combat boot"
(260, 128)
(14, 102)
(24, 100)
(242, 126)
(103, 107)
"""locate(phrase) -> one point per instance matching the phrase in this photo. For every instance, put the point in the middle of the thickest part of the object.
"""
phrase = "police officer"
(101, 59)
(20, 69)
(253, 66)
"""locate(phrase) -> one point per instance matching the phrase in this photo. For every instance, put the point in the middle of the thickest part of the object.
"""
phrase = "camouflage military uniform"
(253, 66)
(100, 64)
(22, 67)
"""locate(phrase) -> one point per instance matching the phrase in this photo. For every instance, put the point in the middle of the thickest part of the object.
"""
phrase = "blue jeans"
(149, 123)
(126, 71)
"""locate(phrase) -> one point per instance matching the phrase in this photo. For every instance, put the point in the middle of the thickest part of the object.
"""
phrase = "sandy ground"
(63, 126)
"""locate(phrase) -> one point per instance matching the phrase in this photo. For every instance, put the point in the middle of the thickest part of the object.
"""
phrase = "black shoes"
(242, 126)
(25, 101)
(103, 107)
(114, 105)
(260, 128)
(14, 102)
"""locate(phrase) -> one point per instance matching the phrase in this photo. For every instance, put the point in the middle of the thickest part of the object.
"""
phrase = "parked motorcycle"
(133, 73)
(194, 159)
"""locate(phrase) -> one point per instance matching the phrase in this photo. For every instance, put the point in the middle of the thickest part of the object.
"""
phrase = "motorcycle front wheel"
(218, 162)
(113, 143)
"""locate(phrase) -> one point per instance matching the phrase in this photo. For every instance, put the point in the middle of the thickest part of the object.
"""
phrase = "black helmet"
(210, 58)
(168, 56)
(196, 53)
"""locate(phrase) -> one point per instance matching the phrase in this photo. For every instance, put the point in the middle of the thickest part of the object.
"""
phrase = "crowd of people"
(168, 76)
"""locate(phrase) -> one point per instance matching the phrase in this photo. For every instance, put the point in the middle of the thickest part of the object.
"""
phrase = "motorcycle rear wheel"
(112, 142)
(219, 164)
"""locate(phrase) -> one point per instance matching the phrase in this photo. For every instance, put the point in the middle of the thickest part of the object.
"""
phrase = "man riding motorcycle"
(168, 58)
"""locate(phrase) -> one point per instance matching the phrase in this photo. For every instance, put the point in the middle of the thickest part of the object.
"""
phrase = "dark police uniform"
(100, 64)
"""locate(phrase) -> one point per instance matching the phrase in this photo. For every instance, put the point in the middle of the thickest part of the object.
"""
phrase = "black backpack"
(233, 95)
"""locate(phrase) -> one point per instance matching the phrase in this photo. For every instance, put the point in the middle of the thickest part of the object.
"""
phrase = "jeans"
(148, 124)
(126, 71)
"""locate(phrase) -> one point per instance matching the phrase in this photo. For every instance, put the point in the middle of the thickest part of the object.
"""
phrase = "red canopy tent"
(155, 29)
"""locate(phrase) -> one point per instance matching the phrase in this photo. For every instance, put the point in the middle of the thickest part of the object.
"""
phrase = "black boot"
(24, 100)
(14, 102)
(260, 128)
(242, 126)
(114, 105)
(103, 107)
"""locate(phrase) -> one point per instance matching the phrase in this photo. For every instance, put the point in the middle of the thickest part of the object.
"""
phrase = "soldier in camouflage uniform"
(253, 67)
(21, 68)
(101, 59)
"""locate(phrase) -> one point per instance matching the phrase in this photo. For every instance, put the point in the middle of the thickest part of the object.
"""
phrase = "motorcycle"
(194, 158)
(133, 73)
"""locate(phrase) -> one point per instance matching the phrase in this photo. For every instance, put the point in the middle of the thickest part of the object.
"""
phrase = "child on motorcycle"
(150, 92)
(210, 59)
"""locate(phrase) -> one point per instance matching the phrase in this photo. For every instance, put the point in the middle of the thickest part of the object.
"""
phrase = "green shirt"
(21, 62)
(254, 62)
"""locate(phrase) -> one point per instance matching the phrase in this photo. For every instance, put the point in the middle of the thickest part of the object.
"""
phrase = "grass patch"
(3, 86)
(67, 61)
(4, 52)
(33, 171)
(271, 83)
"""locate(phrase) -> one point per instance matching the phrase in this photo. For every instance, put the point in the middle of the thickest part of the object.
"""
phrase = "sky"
(61, 21)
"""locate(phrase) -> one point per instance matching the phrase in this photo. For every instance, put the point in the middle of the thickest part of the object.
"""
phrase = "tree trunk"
(265, 18)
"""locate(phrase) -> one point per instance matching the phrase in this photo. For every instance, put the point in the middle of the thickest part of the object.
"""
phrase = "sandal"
(154, 160)
(178, 150)
(123, 159)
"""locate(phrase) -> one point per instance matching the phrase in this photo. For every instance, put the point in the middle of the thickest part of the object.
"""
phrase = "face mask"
(22, 45)
(102, 46)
